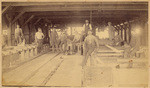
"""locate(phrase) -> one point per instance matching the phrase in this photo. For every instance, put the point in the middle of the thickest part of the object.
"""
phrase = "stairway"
(109, 51)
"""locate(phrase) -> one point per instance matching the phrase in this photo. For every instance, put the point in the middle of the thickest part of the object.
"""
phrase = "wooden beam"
(9, 19)
(28, 20)
(91, 17)
(5, 9)
(6, 20)
(18, 16)
(87, 13)
(118, 7)
(71, 3)
(85, 16)
(32, 9)
(37, 21)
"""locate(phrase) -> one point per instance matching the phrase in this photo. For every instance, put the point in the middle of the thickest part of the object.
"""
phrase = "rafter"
(5, 9)
(18, 16)
(28, 20)
(37, 21)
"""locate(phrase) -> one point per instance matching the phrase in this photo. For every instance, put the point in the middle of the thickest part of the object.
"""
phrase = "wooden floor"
(56, 69)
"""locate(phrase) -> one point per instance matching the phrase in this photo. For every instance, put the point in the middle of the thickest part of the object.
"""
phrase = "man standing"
(86, 27)
(111, 31)
(54, 39)
(63, 41)
(91, 43)
(18, 35)
(39, 36)
(76, 40)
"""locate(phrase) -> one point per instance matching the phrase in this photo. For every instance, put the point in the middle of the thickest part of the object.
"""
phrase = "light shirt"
(18, 32)
(91, 40)
(77, 37)
(39, 35)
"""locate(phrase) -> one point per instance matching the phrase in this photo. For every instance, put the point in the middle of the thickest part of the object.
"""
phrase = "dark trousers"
(65, 46)
(88, 51)
(40, 44)
(18, 39)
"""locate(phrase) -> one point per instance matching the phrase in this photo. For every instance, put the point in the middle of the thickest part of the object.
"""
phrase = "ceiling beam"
(87, 16)
(18, 16)
(70, 3)
(37, 21)
(5, 9)
(86, 13)
(82, 8)
(28, 20)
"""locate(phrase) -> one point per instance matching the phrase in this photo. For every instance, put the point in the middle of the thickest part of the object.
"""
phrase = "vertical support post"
(125, 37)
(91, 17)
(9, 34)
(129, 32)
(121, 33)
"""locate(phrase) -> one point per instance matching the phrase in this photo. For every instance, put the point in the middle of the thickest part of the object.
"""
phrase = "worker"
(76, 40)
(18, 35)
(134, 43)
(111, 32)
(91, 45)
(86, 27)
(39, 36)
(54, 38)
(63, 41)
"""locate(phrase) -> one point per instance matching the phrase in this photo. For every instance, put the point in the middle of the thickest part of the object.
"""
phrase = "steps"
(110, 52)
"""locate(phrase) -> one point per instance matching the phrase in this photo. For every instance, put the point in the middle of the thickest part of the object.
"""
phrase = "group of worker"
(88, 42)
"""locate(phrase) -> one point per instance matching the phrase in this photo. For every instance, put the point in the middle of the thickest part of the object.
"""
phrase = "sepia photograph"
(74, 44)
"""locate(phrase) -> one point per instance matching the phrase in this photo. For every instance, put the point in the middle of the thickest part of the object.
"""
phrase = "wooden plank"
(114, 49)
(83, 8)
(28, 20)
(32, 9)
(37, 21)
(71, 3)
(5, 9)
(18, 16)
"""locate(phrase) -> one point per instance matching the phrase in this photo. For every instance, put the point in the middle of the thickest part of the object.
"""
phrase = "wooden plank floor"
(58, 70)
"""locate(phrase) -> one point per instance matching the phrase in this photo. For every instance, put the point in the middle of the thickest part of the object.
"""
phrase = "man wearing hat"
(86, 27)
(90, 45)
(54, 38)
(111, 31)
(63, 41)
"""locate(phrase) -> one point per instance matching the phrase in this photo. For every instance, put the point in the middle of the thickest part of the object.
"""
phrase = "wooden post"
(9, 30)
(121, 32)
(91, 17)
(125, 37)
(9, 34)
(129, 32)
